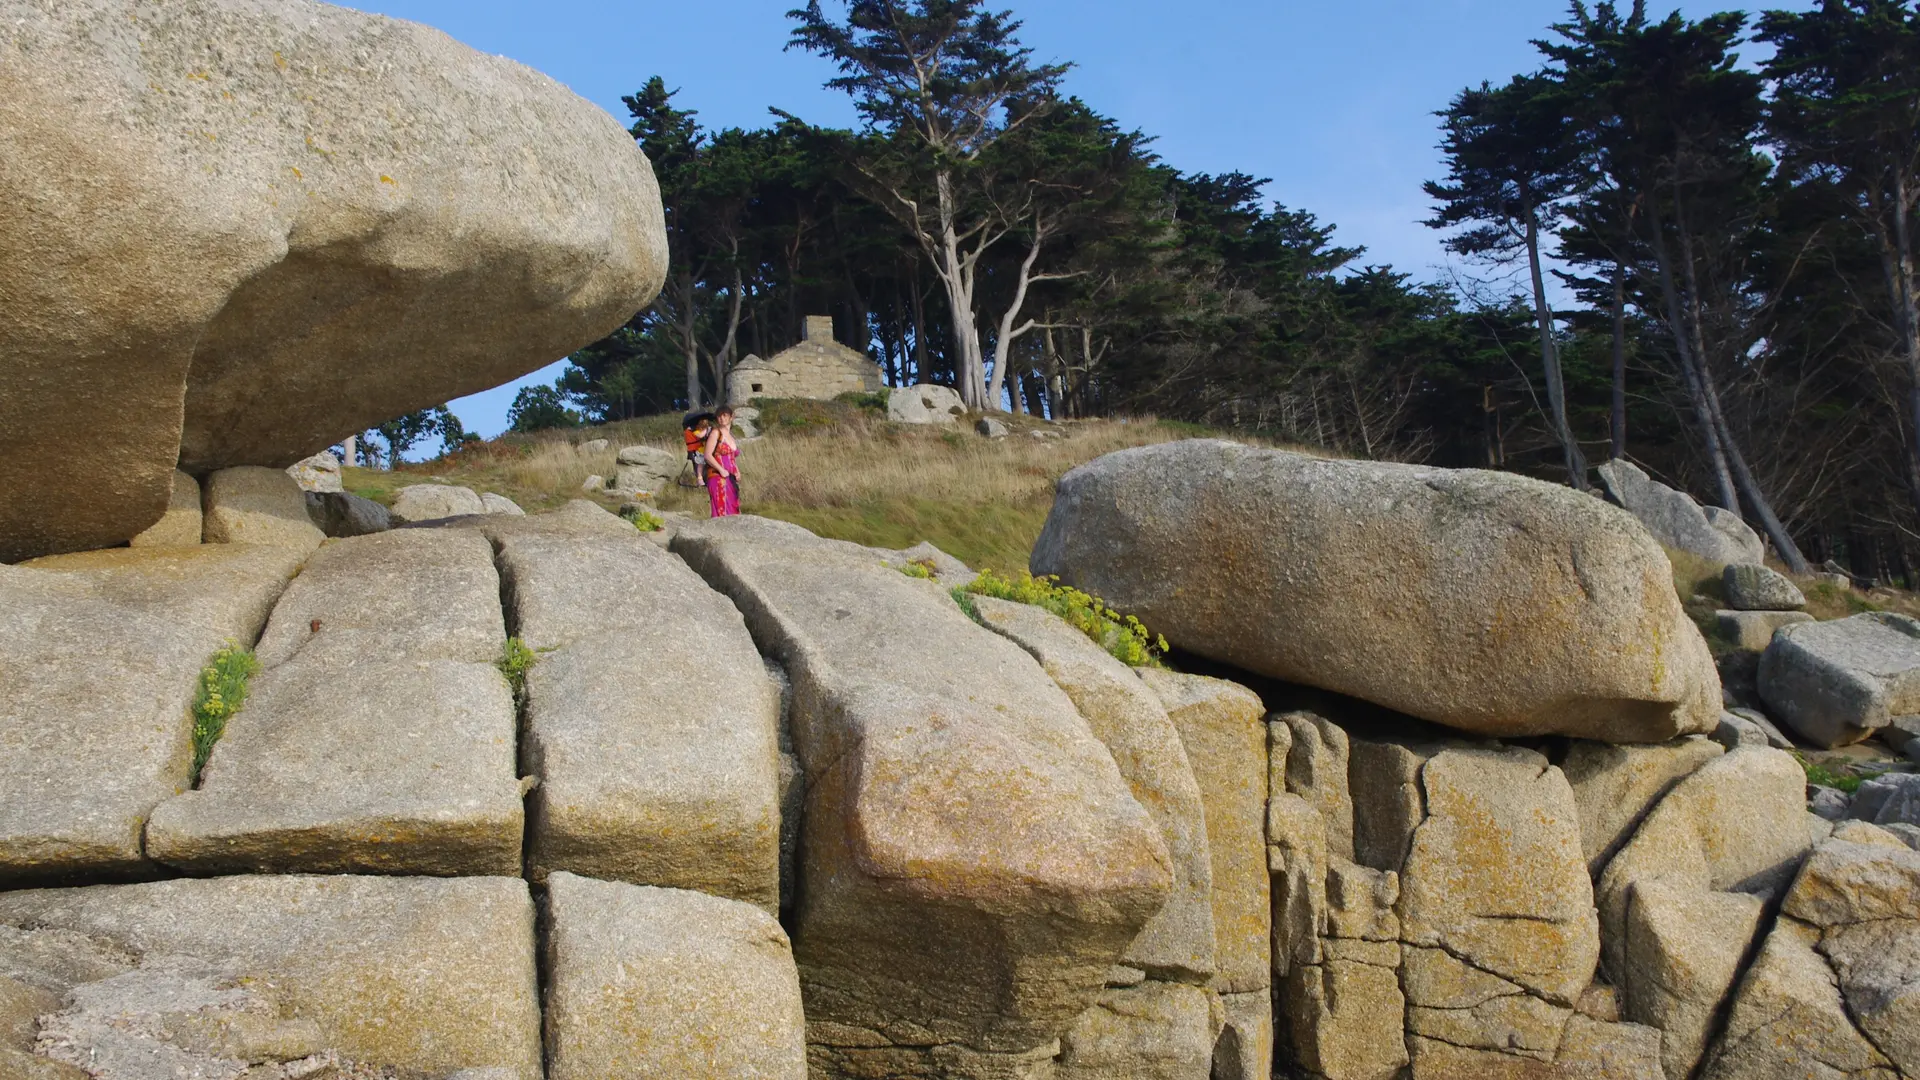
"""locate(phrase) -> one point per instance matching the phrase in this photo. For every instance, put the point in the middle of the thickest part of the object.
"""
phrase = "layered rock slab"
(1858, 897)
(1838, 682)
(975, 862)
(321, 192)
(1222, 725)
(422, 976)
(1681, 902)
(1178, 944)
(380, 738)
(1614, 787)
(651, 721)
(667, 984)
(1788, 1021)
(1516, 607)
(1152, 1031)
(1496, 873)
(103, 654)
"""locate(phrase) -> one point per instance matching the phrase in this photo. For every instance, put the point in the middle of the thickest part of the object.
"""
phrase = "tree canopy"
(1730, 249)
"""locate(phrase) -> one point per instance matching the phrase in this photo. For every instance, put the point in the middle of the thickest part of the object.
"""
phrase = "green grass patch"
(1122, 635)
(808, 414)
(919, 568)
(999, 536)
(1827, 600)
(875, 402)
(221, 693)
(1821, 775)
(965, 599)
(514, 663)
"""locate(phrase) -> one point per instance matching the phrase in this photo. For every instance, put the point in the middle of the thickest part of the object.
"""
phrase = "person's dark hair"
(724, 410)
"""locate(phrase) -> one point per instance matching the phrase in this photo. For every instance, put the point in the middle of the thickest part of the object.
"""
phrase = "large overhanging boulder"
(240, 230)
(1488, 602)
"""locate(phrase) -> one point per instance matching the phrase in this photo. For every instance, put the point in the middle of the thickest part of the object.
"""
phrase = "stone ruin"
(819, 367)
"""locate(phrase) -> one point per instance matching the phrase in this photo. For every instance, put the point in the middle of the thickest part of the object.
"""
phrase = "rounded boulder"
(243, 230)
(1487, 602)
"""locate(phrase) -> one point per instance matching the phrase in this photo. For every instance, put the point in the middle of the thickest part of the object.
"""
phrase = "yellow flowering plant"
(1124, 636)
(221, 693)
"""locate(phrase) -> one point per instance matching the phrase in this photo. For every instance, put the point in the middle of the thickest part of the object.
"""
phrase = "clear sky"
(1332, 99)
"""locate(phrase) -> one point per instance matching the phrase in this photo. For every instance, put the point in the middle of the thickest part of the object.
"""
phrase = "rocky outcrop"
(103, 653)
(1222, 726)
(1178, 944)
(1002, 853)
(1836, 989)
(1615, 786)
(1678, 521)
(416, 975)
(649, 718)
(354, 217)
(975, 863)
(649, 982)
(926, 403)
(1151, 1031)
(1789, 1021)
(1837, 682)
(379, 739)
(1487, 602)
(1680, 904)
(1495, 878)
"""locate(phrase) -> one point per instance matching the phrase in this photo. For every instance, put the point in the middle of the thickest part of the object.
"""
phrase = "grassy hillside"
(838, 469)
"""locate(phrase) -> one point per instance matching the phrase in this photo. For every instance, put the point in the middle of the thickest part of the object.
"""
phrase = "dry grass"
(1698, 583)
(836, 469)
(537, 475)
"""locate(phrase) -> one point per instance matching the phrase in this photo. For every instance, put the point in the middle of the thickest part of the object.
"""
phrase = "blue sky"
(1333, 99)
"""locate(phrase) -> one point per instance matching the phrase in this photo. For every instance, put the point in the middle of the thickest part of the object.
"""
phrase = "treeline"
(1737, 242)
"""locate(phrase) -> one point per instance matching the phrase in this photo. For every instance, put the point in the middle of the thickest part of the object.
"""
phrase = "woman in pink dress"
(723, 473)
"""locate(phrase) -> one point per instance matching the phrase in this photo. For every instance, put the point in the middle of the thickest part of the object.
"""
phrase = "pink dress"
(723, 492)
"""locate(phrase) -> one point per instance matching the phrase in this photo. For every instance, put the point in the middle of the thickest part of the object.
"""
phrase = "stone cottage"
(818, 367)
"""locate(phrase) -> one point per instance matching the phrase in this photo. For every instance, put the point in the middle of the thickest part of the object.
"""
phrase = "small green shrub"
(222, 690)
(1821, 776)
(919, 568)
(642, 519)
(965, 600)
(1122, 635)
(874, 402)
(514, 663)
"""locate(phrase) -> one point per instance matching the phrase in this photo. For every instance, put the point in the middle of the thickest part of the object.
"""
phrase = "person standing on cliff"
(723, 465)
